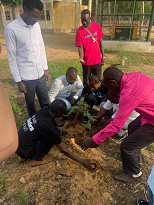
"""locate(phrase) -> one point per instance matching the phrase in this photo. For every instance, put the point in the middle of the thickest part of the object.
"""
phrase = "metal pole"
(150, 24)
(78, 13)
(96, 10)
(132, 19)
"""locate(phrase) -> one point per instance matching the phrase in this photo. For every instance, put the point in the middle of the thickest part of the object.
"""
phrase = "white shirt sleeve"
(79, 87)
(43, 53)
(54, 90)
(11, 51)
(108, 105)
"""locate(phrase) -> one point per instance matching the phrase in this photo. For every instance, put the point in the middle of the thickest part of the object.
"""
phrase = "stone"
(22, 180)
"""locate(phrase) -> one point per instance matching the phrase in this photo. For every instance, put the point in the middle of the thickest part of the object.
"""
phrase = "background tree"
(14, 5)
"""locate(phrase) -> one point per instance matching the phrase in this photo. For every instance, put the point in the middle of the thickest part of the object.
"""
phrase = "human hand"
(87, 142)
(46, 75)
(103, 60)
(73, 100)
(82, 61)
(22, 87)
(87, 164)
(72, 123)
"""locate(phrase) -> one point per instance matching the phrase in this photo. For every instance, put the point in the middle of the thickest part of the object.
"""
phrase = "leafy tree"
(14, 5)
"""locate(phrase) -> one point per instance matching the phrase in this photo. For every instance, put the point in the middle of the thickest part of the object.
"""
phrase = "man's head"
(58, 107)
(113, 97)
(112, 79)
(71, 75)
(32, 11)
(85, 18)
(92, 81)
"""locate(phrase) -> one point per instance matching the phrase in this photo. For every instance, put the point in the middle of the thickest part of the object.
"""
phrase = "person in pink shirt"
(90, 46)
(136, 93)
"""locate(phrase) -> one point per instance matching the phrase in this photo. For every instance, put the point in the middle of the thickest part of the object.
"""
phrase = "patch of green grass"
(13, 94)
(15, 106)
(4, 63)
(16, 87)
(151, 147)
(7, 84)
(57, 69)
(117, 153)
(21, 197)
(3, 180)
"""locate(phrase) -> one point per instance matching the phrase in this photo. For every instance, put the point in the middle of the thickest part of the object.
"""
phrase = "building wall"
(65, 15)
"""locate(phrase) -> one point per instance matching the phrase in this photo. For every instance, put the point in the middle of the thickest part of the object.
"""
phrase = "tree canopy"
(11, 3)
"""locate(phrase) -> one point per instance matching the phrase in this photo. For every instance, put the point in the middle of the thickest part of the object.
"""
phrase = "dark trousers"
(92, 100)
(138, 138)
(39, 87)
(91, 69)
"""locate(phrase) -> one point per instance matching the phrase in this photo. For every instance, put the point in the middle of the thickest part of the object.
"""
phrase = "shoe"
(142, 202)
(123, 136)
(126, 178)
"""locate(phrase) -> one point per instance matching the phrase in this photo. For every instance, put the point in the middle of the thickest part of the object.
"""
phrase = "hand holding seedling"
(22, 87)
(87, 142)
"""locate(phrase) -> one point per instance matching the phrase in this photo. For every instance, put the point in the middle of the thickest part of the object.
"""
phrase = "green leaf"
(90, 117)
(89, 125)
(73, 108)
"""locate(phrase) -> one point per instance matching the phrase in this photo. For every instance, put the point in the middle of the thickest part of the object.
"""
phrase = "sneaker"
(123, 136)
(142, 202)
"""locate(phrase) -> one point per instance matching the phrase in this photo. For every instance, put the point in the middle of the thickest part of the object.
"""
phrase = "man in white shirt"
(26, 54)
(63, 86)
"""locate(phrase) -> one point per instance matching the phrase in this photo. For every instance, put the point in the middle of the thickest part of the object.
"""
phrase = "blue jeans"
(68, 100)
(39, 87)
(151, 201)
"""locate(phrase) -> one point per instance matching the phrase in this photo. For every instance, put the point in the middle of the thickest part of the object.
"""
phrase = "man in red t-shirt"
(90, 46)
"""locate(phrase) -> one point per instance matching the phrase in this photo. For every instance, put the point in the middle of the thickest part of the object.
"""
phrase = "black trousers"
(138, 138)
(91, 69)
(39, 87)
(92, 100)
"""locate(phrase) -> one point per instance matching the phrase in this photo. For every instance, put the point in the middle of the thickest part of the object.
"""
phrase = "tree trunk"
(15, 11)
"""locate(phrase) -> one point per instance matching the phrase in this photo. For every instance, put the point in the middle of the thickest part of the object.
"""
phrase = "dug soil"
(63, 181)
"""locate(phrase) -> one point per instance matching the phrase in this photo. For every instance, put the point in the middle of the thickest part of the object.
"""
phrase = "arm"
(54, 90)
(9, 135)
(102, 51)
(43, 56)
(10, 39)
(80, 51)
(73, 122)
(79, 86)
(86, 163)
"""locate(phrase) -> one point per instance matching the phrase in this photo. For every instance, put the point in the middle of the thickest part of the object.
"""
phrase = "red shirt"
(91, 49)
(136, 93)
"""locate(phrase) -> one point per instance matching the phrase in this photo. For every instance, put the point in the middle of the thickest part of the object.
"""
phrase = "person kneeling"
(40, 132)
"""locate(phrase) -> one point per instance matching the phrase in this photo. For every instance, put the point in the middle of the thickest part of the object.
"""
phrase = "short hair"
(112, 73)
(71, 70)
(58, 106)
(85, 11)
(31, 4)
(111, 94)
(93, 78)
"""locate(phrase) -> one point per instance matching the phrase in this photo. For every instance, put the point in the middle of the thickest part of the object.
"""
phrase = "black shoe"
(142, 202)
(123, 136)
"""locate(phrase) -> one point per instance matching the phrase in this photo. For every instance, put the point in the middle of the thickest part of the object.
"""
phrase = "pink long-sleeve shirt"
(136, 93)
